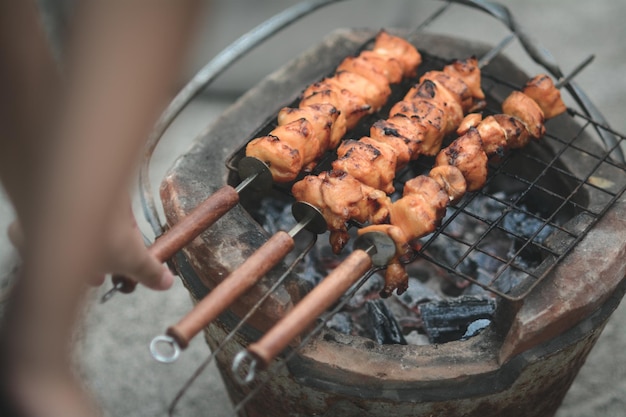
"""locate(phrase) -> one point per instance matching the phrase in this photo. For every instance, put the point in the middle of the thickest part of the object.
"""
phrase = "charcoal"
(448, 320)
(383, 327)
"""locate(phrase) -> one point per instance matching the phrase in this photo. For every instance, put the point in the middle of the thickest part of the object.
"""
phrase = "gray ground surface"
(114, 356)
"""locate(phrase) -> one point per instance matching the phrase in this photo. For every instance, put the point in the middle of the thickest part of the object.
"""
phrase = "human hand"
(125, 254)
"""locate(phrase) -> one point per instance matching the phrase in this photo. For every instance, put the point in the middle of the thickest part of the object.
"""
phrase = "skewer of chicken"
(269, 254)
(257, 265)
(362, 175)
(328, 108)
(462, 167)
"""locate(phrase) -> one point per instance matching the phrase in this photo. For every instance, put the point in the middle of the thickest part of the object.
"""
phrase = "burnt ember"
(449, 320)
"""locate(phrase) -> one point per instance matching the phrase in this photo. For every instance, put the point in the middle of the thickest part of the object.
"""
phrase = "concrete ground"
(113, 355)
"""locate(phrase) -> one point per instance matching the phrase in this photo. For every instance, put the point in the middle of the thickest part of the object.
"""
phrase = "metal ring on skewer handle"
(254, 173)
(243, 278)
(372, 249)
(156, 349)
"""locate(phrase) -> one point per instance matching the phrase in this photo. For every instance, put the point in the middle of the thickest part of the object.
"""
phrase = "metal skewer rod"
(577, 69)
(495, 51)
(305, 339)
(372, 249)
(234, 331)
(178, 336)
(255, 174)
(437, 13)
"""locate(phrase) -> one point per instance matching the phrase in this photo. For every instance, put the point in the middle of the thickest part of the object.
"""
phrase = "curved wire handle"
(201, 80)
(543, 57)
(265, 30)
(233, 332)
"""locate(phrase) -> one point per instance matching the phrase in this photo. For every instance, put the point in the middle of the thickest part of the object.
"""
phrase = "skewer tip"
(109, 294)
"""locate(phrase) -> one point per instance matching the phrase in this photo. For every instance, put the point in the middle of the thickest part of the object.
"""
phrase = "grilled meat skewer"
(429, 111)
(426, 197)
(330, 107)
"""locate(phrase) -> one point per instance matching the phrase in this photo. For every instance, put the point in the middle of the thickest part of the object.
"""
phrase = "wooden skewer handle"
(304, 314)
(233, 286)
(186, 230)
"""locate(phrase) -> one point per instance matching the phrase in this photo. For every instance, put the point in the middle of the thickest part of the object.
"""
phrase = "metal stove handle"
(543, 57)
(245, 44)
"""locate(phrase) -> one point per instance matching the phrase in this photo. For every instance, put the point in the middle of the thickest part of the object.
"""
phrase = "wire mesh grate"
(540, 200)
(547, 234)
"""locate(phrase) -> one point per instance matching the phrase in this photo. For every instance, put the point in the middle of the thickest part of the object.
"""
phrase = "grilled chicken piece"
(517, 136)
(426, 121)
(301, 136)
(443, 99)
(369, 161)
(380, 70)
(402, 139)
(399, 49)
(396, 279)
(340, 197)
(470, 120)
(287, 149)
(416, 214)
(451, 180)
(421, 207)
(515, 133)
(455, 85)
(543, 91)
(493, 136)
(284, 161)
(323, 119)
(469, 72)
(524, 108)
(467, 154)
(373, 94)
(351, 107)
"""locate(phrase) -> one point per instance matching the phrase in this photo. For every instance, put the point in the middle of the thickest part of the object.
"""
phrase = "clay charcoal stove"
(501, 294)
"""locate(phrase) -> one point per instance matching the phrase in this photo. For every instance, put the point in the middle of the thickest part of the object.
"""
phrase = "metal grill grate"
(567, 215)
(541, 199)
